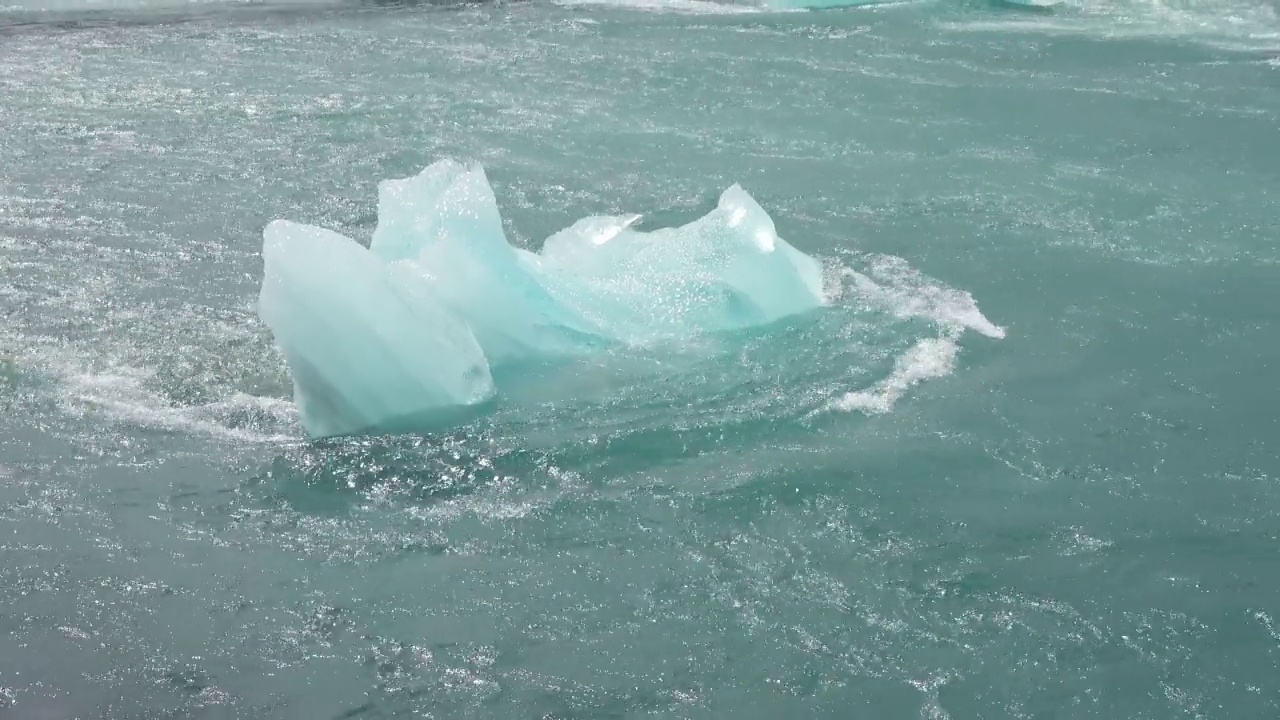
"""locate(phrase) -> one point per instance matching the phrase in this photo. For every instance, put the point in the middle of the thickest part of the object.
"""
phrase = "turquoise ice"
(442, 226)
(407, 331)
(366, 343)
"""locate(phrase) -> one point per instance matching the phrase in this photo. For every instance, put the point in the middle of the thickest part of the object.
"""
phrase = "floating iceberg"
(409, 330)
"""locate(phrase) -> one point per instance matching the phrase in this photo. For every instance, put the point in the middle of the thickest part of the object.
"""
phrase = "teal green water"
(873, 511)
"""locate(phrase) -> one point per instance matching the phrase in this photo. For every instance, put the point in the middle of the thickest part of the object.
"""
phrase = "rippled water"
(881, 510)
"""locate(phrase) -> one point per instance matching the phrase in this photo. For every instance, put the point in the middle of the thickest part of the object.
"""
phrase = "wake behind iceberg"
(410, 330)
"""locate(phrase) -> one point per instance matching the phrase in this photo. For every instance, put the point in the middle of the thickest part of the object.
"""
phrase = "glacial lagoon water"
(1021, 463)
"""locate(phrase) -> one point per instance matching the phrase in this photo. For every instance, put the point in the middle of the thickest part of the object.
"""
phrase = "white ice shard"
(407, 329)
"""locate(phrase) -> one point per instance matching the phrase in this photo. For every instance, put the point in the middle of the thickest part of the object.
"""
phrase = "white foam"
(1246, 25)
(121, 395)
(895, 287)
(927, 359)
(889, 285)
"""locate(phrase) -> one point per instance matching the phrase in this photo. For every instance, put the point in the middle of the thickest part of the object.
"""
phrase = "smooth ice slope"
(367, 345)
(408, 329)
(444, 225)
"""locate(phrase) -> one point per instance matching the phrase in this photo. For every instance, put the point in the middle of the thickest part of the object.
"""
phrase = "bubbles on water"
(126, 395)
(1076, 542)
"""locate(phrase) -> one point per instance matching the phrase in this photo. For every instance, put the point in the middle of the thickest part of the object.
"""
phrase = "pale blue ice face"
(366, 343)
(409, 329)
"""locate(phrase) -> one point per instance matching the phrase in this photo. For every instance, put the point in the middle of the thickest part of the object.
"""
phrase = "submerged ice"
(411, 328)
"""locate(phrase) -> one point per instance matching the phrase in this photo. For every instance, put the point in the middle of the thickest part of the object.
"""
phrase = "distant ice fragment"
(411, 327)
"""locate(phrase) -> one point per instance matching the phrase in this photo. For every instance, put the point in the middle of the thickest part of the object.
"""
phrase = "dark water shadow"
(333, 476)
(1040, 7)
(34, 22)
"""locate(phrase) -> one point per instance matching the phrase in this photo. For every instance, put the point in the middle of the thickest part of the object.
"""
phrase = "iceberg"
(407, 332)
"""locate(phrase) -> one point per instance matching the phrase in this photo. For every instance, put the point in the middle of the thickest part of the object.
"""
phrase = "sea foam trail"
(927, 359)
(887, 283)
(891, 284)
(122, 394)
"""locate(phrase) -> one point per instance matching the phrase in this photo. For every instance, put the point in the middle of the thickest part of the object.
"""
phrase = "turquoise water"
(882, 509)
